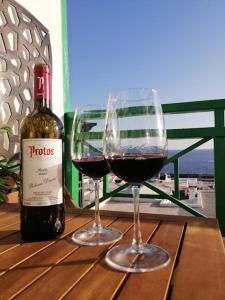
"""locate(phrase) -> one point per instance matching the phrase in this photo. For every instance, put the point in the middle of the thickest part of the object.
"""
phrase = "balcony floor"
(125, 204)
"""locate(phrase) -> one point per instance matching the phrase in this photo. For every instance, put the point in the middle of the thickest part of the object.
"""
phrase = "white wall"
(48, 12)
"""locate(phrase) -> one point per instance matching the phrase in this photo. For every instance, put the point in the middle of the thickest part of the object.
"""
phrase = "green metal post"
(66, 97)
(71, 173)
(176, 179)
(105, 185)
(219, 164)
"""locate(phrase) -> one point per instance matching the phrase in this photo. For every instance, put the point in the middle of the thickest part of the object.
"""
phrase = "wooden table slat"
(10, 237)
(16, 255)
(201, 265)
(60, 269)
(30, 270)
(106, 280)
(8, 219)
(158, 280)
(69, 271)
(9, 230)
(8, 243)
(2, 212)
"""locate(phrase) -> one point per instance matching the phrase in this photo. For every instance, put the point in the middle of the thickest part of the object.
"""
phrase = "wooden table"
(59, 269)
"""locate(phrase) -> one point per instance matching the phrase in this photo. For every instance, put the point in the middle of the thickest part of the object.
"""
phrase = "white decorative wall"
(48, 12)
(29, 33)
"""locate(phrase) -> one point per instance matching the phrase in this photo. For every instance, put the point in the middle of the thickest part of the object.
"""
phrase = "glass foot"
(96, 237)
(125, 258)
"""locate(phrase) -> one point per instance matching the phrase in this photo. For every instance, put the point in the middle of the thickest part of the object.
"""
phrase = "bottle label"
(42, 172)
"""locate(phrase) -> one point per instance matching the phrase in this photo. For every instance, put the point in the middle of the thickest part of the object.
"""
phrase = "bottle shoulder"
(41, 125)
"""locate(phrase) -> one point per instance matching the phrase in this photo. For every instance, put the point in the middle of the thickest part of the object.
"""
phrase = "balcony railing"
(205, 134)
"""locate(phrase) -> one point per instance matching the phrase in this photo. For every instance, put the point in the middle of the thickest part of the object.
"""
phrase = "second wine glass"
(87, 156)
(135, 149)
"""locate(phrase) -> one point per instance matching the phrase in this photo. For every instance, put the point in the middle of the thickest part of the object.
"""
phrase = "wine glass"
(87, 157)
(135, 148)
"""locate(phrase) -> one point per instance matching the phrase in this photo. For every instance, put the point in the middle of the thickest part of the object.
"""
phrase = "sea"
(198, 161)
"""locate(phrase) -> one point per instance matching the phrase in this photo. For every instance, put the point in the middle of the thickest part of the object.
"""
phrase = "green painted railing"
(215, 133)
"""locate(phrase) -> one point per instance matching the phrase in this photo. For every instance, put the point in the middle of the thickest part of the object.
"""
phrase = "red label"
(42, 86)
(36, 151)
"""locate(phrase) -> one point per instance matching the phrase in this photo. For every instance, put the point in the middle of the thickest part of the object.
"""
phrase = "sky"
(174, 46)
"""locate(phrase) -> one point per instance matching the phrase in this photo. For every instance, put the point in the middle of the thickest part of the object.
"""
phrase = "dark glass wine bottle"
(41, 138)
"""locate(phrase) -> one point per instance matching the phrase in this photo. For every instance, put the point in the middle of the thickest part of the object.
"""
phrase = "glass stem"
(137, 241)
(97, 222)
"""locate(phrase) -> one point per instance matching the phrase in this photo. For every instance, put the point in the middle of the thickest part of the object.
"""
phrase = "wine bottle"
(41, 139)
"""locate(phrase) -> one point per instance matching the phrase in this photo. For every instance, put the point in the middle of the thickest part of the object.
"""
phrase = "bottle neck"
(42, 104)
(42, 91)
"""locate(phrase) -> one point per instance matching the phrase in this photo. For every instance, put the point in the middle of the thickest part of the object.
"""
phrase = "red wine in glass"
(136, 168)
(94, 167)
